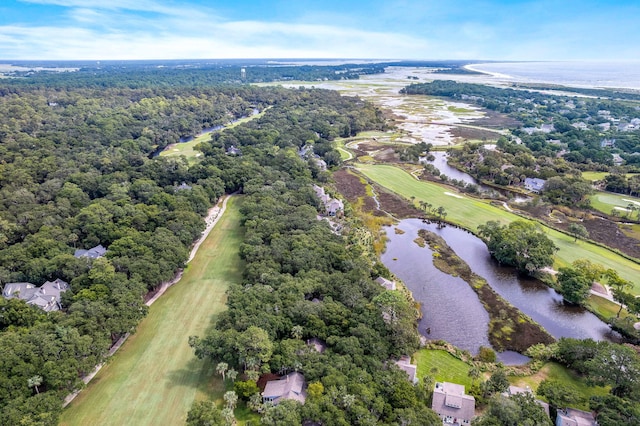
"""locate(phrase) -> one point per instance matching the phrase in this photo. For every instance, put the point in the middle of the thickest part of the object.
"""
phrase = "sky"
(592, 30)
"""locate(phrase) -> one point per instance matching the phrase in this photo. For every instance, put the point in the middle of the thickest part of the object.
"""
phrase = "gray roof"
(411, 369)
(317, 344)
(46, 297)
(291, 386)
(22, 291)
(449, 400)
(93, 253)
(388, 284)
(573, 417)
(534, 184)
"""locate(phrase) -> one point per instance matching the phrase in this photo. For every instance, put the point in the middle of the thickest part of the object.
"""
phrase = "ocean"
(576, 74)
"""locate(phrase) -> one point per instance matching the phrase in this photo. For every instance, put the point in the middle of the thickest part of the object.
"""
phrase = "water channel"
(440, 162)
(451, 310)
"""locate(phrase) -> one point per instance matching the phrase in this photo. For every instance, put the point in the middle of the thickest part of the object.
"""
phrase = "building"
(452, 405)
(45, 297)
(534, 184)
(405, 365)
(292, 386)
(514, 390)
(317, 344)
(573, 417)
(92, 253)
(388, 284)
(332, 206)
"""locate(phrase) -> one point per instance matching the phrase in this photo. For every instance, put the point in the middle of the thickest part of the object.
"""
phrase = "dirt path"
(214, 214)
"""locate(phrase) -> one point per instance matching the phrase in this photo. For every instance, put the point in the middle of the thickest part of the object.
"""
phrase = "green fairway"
(470, 213)
(155, 377)
(606, 202)
(443, 366)
(596, 176)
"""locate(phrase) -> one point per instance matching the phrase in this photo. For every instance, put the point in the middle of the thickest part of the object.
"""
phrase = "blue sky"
(393, 29)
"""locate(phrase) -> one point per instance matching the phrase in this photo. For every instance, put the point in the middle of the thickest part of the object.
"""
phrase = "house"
(388, 284)
(452, 405)
(182, 187)
(317, 344)
(534, 184)
(332, 206)
(617, 159)
(573, 417)
(580, 125)
(45, 297)
(607, 143)
(405, 365)
(92, 253)
(514, 390)
(232, 150)
(292, 386)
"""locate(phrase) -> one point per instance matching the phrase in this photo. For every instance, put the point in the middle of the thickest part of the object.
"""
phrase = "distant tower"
(243, 73)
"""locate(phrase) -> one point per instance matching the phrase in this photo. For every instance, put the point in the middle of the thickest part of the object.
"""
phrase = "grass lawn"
(449, 368)
(607, 201)
(469, 213)
(557, 372)
(154, 378)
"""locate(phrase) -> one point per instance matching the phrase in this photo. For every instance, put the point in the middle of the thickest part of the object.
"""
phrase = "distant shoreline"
(590, 75)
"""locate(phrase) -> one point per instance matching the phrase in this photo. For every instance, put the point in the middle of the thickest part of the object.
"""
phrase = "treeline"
(136, 75)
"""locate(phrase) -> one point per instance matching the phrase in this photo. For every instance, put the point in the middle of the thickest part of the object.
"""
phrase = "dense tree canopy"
(520, 244)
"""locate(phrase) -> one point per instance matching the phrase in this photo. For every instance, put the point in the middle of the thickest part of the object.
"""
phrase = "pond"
(452, 311)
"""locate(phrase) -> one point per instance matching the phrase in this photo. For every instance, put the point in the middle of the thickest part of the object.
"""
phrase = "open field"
(605, 202)
(469, 213)
(448, 368)
(557, 372)
(154, 378)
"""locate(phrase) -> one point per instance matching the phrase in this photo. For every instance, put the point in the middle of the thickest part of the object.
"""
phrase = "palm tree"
(231, 398)
(297, 331)
(232, 374)
(34, 382)
(228, 416)
(221, 368)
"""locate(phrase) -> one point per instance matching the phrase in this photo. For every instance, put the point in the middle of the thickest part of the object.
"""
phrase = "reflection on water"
(440, 162)
(452, 310)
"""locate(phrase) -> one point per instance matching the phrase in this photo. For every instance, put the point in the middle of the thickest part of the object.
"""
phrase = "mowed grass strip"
(469, 213)
(606, 202)
(155, 377)
(443, 366)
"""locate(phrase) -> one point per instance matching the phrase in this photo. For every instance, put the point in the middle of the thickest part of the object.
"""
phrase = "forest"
(77, 171)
